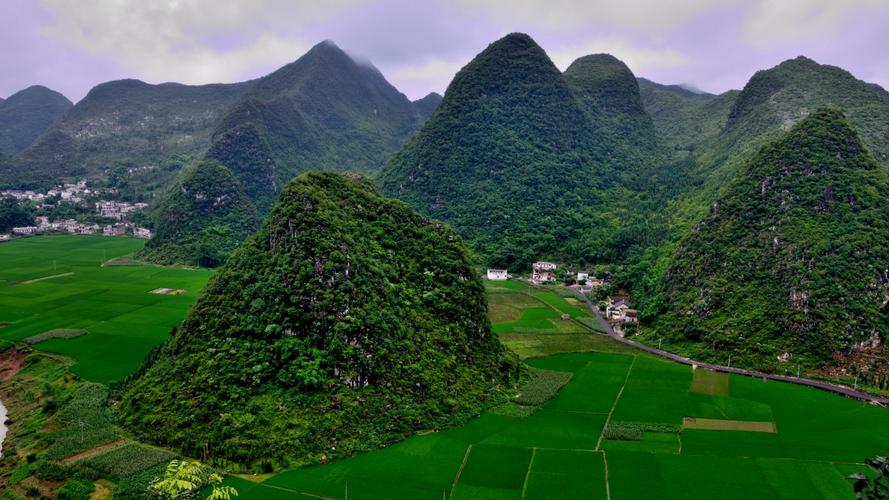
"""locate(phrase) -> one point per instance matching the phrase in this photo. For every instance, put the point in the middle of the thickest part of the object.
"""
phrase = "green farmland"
(561, 450)
(59, 283)
(624, 425)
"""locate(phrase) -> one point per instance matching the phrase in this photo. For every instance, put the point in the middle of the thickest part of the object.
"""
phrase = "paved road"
(837, 389)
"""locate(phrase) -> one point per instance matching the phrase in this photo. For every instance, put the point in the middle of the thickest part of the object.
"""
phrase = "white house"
(543, 271)
(497, 274)
(141, 232)
(616, 309)
(5, 237)
(582, 276)
(25, 230)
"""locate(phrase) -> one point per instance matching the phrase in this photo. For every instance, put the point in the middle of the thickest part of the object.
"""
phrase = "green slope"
(346, 322)
(508, 158)
(323, 111)
(791, 256)
(684, 119)
(129, 123)
(25, 115)
(202, 218)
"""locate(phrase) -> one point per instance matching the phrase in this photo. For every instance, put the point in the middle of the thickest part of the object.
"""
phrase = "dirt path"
(92, 452)
(35, 280)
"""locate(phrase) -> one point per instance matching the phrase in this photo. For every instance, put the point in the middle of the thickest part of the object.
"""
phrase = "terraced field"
(60, 283)
(563, 450)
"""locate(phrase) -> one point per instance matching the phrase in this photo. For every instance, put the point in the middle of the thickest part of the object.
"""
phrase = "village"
(616, 309)
(77, 193)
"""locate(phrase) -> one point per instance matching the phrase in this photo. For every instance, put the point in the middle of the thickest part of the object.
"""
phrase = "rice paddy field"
(625, 426)
(620, 425)
(55, 284)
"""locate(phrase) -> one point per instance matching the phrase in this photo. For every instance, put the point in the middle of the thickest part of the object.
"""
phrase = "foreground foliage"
(345, 323)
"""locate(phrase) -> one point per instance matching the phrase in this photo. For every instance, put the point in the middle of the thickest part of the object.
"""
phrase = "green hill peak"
(345, 323)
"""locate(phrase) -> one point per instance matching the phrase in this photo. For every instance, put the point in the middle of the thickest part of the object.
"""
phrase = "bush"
(75, 489)
(632, 431)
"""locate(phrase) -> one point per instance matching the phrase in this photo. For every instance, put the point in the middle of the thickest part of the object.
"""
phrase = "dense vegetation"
(202, 219)
(131, 124)
(685, 119)
(25, 115)
(345, 323)
(323, 111)
(792, 256)
(426, 105)
(13, 214)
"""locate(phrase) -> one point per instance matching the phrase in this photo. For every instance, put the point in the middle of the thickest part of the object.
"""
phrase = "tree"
(877, 487)
(183, 479)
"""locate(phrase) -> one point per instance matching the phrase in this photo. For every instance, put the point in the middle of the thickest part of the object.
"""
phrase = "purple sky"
(715, 45)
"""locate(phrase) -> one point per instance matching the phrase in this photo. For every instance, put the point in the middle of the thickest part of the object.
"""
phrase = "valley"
(515, 268)
(594, 416)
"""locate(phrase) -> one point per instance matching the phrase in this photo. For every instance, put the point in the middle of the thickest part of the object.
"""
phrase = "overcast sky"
(715, 45)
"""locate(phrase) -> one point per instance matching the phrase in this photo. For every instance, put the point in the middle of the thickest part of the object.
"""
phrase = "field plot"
(530, 321)
(553, 453)
(56, 284)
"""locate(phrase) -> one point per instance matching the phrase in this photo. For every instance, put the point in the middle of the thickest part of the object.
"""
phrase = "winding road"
(836, 389)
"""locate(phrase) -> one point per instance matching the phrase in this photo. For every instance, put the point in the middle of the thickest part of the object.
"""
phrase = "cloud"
(786, 20)
(192, 41)
(637, 58)
(432, 74)
(657, 15)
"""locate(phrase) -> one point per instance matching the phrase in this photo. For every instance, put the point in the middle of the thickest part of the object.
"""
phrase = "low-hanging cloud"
(192, 41)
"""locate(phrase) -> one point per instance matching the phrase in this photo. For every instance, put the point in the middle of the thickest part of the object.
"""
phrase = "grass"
(58, 283)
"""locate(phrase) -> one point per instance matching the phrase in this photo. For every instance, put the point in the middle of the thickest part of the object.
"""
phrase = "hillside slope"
(25, 115)
(345, 323)
(129, 123)
(324, 111)
(201, 219)
(685, 119)
(792, 256)
(505, 158)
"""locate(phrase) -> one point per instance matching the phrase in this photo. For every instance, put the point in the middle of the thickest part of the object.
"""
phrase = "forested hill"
(202, 218)
(129, 123)
(792, 257)
(512, 157)
(777, 98)
(25, 115)
(685, 119)
(345, 323)
(323, 111)
(609, 95)
(426, 105)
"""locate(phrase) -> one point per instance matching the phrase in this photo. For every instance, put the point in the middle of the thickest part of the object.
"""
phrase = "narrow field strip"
(528, 472)
(607, 486)
(92, 452)
(35, 280)
(614, 404)
(460, 470)
(713, 424)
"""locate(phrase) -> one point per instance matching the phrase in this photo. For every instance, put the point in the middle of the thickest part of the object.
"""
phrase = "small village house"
(616, 309)
(142, 232)
(497, 274)
(25, 230)
(543, 271)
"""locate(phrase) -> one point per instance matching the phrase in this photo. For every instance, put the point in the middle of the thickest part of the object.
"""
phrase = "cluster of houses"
(70, 192)
(542, 272)
(116, 209)
(71, 226)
